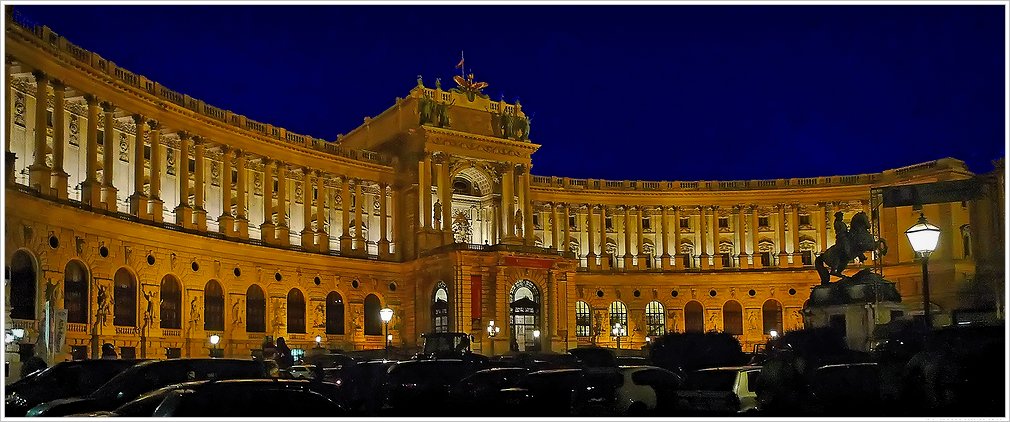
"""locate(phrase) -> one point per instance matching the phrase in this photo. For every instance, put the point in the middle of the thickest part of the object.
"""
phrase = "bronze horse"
(858, 240)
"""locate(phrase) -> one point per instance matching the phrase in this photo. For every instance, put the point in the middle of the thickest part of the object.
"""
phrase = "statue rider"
(841, 232)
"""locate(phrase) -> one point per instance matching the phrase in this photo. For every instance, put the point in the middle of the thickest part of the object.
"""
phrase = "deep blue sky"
(644, 92)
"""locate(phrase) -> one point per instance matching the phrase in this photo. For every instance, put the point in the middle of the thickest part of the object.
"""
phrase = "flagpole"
(462, 69)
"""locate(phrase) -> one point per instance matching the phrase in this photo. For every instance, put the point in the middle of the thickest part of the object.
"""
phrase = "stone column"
(556, 226)
(425, 192)
(795, 230)
(282, 228)
(703, 234)
(138, 201)
(183, 212)
(345, 214)
(591, 255)
(200, 185)
(664, 222)
(39, 173)
(639, 229)
(565, 242)
(783, 255)
(59, 175)
(445, 195)
(508, 196)
(157, 205)
(226, 221)
(359, 202)
(109, 153)
(677, 260)
(528, 207)
(267, 227)
(394, 222)
(822, 223)
(322, 238)
(755, 236)
(91, 188)
(383, 223)
(9, 157)
(741, 242)
(308, 235)
(520, 207)
(627, 238)
(714, 230)
(242, 203)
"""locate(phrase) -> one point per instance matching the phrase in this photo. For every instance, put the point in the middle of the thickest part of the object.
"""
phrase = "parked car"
(646, 390)
(302, 371)
(633, 361)
(148, 376)
(142, 406)
(60, 381)
(480, 392)
(594, 357)
(720, 391)
(249, 398)
(422, 386)
(851, 389)
(535, 361)
(549, 393)
(363, 386)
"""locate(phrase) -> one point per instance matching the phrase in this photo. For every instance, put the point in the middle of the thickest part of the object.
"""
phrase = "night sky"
(618, 92)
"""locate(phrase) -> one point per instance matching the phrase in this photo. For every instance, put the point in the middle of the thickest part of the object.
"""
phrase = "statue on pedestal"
(850, 243)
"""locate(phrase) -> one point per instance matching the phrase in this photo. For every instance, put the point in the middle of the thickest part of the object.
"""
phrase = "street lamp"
(618, 332)
(319, 341)
(924, 237)
(536, 339)
(387, 315)
(491, 332)
(774, 334)
(214, 340)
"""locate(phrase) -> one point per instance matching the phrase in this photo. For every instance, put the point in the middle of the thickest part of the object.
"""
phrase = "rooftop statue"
(469, 87)
(850, 243)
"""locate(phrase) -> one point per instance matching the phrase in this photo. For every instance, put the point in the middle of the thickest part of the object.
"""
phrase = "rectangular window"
(805, 220)
(101, 137)
(762, 221)
(727, 260)
(49, 118)
(192, 166)
(147, 152)
(808, 257)
(766, 259)
(127, 352)
(610, 223)
(687, 261)
(723, 222)
(685, 223)
(173, 352)
(275, 186)
(571, 222)
(536, 220)
(315, 194)
(646, 223)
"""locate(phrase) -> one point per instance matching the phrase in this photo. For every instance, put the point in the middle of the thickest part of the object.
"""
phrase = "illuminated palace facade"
(156, 220)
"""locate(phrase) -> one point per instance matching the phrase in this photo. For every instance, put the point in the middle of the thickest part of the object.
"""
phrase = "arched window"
(732, 318)
(694, 317)
(373, 322)
(23, 281)
(334, 313)
(771, 315)
(255, 310)
(524, 309)
(75, 292)
(171, 303)
(655, 319)
(124, 313)
(583, 320)
(619, 314)
(440, 308)
(213, 306)
(296, 311)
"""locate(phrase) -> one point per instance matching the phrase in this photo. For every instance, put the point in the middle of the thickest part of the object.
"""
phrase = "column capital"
(266, 161)
(520, 169)
(239, 153)
(306, 171)
(58, 85)
(139, 119)
(383, 186)
(280, 165)
(40, 76)
(318, 173)
(108, 107)
(153, 124)
(183, 135)
(225, 149)
(91, 100)
(439, 157)
(198, 140)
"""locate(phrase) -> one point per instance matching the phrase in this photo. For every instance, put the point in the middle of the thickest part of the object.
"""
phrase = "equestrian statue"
(850, 243)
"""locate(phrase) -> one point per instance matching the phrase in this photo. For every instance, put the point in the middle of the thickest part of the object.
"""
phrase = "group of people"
(279, 352)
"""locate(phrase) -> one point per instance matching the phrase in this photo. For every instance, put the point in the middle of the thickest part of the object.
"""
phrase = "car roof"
(844, 365)
(556, 371)
(731, 368)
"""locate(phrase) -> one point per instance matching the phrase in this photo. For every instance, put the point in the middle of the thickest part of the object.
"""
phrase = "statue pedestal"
(855, 305)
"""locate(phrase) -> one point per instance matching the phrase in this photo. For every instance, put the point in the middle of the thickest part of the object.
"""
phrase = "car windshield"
(446, 343)
(145, 404)
(429, 371)
(119, 383)
(711, 380)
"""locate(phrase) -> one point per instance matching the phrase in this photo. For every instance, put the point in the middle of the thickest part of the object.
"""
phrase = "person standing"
(284, 358)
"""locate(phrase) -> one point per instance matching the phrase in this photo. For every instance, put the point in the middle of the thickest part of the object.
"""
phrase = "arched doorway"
(732, 318)
(296, 311)
(334, 313)
(255, 310)
(694, 317)
(440, 308)
(124, 311)
(75, 292)
(23, 282)
(771, 316)
(171, 303)
(213, 306)
(524, 312)
(373, 322)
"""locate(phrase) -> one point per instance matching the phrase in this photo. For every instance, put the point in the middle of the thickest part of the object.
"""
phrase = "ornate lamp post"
(491, 332)
(387, 315)
(618, 332)
(924, 237)
(536, 339)
(214, 340)
(319, 342)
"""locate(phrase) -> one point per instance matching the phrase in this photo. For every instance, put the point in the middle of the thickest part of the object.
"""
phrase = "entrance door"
(524, 311)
